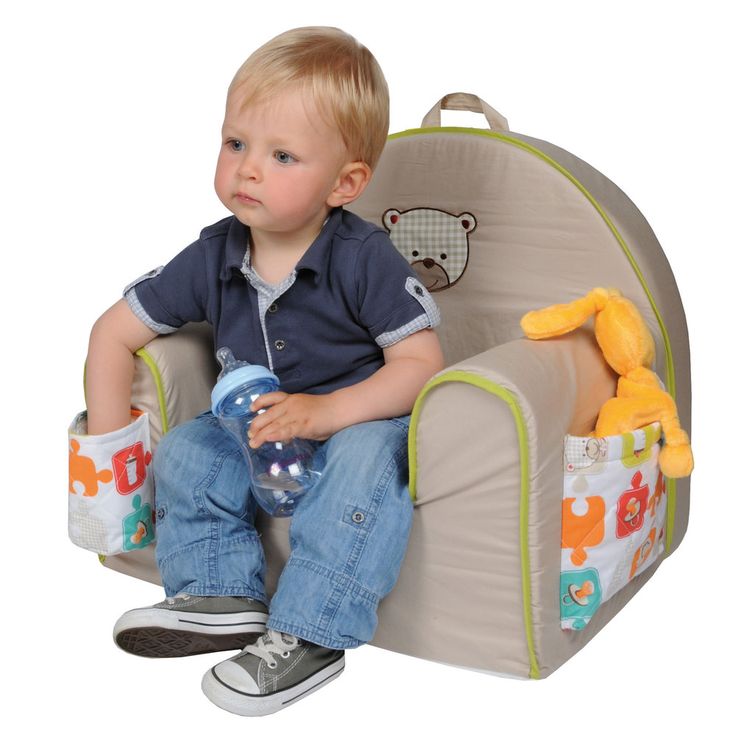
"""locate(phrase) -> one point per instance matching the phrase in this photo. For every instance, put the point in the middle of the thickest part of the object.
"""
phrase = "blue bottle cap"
(239, 377)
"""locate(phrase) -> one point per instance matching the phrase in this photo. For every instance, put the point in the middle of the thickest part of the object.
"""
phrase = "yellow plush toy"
(628, 347)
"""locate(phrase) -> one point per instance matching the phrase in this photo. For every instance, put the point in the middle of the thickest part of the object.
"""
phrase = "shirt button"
(358, 517)
(273, 308)
(279, 344)
(419, 291)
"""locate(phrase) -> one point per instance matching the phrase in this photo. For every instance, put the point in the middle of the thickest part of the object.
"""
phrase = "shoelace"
(273, 642)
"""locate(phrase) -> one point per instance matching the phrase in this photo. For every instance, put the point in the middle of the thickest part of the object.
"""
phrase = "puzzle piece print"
(644, 552)
(129, 468)
(658, 496)
(631, 508)
(87, 530)
(580, 597)
(138, 530)
(581, 531)
(83, 470)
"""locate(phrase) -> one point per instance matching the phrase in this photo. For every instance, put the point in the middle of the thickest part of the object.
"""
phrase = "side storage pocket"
(613, 518)
(111, 487)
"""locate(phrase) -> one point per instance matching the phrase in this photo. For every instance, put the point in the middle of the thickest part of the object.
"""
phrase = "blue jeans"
(348, 534)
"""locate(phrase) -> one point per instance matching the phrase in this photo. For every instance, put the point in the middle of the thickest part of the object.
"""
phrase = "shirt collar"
(236, 243)
(316, 258)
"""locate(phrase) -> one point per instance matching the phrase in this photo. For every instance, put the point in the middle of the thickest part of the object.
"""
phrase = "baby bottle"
(280, 472)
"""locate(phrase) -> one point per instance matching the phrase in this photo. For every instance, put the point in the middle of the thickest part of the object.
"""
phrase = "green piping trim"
(670, 366)
(671, 484)
(535, 151)
(413, 424)
(147, 358)
(521, 431)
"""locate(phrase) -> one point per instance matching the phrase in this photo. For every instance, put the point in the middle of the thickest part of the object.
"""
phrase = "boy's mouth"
(246, 199)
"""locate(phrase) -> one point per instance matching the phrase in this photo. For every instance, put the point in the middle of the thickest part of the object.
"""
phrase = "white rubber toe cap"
(236, 677)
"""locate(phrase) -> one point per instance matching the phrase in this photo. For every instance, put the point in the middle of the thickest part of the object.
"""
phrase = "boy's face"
(279, 164)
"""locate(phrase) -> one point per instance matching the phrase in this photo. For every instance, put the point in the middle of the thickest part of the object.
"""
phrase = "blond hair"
(340, 74)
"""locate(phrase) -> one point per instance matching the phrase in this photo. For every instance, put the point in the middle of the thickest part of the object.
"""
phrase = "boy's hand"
(306, 416)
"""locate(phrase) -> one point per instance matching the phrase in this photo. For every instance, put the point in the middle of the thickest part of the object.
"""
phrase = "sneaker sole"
(245, 704)
(160, 633)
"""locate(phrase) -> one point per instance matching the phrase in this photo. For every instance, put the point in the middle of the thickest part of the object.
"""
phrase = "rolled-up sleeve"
(172, 295)
(392, 302)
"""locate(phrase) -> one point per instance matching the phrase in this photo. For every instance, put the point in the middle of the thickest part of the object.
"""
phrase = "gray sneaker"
(188, 624)
(275, 672)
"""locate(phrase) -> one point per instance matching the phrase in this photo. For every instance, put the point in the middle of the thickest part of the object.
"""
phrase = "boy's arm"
(389, 392)
(115, 337)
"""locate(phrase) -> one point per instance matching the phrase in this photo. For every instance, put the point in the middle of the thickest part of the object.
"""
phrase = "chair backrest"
(521, 224)
(516, 224)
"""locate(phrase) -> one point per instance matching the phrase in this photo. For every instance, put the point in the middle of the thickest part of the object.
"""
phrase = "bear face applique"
(434, 242)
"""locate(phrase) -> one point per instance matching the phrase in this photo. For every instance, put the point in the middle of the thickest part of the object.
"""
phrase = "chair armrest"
(486, 459)
(550, 388)
(173, 377)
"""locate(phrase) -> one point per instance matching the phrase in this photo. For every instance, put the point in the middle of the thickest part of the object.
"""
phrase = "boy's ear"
(351, 182)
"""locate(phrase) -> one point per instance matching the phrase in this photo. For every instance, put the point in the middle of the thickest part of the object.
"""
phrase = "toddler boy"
(321, 297)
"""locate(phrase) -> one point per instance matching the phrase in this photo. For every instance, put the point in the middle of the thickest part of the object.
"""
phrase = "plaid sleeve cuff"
(430, 318)
(130, 296)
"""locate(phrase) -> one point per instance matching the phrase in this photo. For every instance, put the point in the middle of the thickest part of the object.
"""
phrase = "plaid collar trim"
(316, 259)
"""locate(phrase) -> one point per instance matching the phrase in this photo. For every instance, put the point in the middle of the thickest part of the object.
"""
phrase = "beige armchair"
(480, 584)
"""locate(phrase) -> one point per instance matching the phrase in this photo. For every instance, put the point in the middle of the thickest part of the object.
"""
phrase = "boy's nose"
(249, 168)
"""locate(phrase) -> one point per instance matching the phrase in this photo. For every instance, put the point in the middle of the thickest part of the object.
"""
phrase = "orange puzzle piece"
(587, 530)
(82, 469)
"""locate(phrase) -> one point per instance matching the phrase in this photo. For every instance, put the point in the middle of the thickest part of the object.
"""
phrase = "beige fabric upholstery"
(463, 564)
(187, 369)
(539, 240)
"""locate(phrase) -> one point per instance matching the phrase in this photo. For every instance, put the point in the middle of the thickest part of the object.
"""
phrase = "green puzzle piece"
(138, 531)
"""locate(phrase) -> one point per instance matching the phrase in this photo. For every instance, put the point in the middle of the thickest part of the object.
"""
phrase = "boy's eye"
(236, 145)
(284, 158)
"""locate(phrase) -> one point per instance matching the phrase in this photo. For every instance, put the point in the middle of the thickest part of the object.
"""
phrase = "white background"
(109, 138)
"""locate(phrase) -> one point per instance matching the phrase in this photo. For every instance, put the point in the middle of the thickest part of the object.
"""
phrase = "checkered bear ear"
(467, 221)
(390, 218)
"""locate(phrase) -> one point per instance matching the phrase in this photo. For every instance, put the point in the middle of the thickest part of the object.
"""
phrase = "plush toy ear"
(623, 336)
(560, 319)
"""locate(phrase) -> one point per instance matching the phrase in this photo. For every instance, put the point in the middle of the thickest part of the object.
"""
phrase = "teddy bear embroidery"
(434, 242)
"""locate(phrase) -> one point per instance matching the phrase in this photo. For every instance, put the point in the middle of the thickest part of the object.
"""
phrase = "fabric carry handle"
(465, 101)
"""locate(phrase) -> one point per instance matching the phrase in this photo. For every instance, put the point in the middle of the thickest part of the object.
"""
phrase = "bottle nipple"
(228, 362)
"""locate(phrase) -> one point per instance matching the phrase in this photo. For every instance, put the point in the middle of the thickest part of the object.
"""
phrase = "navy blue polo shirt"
(324, 327)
